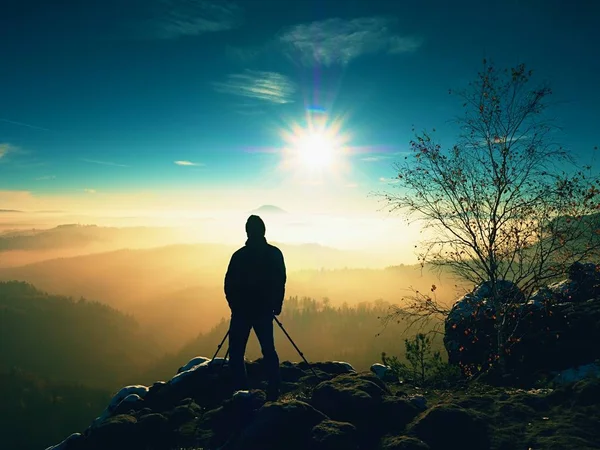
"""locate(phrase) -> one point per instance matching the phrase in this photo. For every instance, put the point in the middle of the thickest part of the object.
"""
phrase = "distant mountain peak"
(268, 209)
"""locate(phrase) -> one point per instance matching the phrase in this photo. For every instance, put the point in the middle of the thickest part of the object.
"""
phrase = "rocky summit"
(330, 406)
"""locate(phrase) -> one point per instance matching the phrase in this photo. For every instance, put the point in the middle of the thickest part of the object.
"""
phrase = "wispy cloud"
(404, 44)
(103, 163)
(267, 86)
(5, 149)
(243, 54)
(388, 180)
(187, 163)
(22, 124)
(46, 177)
(90, 191)
(339, 41)
(376, 158)
(379, 157)
(171, 19)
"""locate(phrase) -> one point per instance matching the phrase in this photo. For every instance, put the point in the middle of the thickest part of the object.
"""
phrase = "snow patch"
(193, 362)
(65, 444)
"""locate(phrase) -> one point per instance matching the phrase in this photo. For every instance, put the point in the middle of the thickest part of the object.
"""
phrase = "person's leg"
(263, 327)
(239, 331)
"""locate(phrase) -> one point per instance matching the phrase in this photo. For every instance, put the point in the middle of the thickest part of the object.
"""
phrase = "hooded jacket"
(255, 278)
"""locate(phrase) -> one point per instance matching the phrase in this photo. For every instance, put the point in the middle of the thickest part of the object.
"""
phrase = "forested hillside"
(69, 340)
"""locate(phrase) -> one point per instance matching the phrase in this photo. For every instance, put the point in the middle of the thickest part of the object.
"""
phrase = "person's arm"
(279, 283)
(232, 283)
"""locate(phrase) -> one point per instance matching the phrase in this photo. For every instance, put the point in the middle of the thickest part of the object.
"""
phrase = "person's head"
(255, 227)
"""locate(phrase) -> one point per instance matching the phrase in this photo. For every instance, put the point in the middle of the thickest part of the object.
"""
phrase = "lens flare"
(316, 148)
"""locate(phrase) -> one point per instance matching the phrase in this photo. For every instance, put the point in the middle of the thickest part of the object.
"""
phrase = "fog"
(170, 278)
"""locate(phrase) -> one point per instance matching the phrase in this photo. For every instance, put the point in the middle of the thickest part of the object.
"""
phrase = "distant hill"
(268, 209)
(62, 339)
(81, 236)
(183, 284)
(9, 211)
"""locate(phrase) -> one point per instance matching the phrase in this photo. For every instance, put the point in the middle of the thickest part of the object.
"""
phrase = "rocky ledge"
(339, 409)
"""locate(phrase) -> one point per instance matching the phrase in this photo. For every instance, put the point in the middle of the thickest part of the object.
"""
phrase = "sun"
(316, 148)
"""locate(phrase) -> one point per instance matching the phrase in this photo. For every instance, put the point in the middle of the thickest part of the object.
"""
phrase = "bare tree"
(506, 202)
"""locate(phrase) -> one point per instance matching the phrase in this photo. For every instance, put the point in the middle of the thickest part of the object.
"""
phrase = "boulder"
(154, 430)
(184, 413)
(192, 363)
(132, 402)
(138, 391)
(383, 372)
(115, 432)
(447, 426)
(279, 425)
(556, 338)
(395, 413)
(403, 443)
(328, 367)
(290, 372)
(226, 422)
(332, 435)
(578, 373)
(207, 384)
(550, 331)
(69, 443)
(349, 398)
(586, 392)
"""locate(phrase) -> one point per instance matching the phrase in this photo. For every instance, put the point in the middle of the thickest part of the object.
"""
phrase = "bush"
(424, 367)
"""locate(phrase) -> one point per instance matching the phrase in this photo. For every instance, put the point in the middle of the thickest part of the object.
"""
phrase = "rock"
(329, 367)
(346, 365)
(132, 402)
(555, 338)
(348, 398)
(586, 392)
(184, 413)
(332, 435)
(115, 432)
(403, 443)
(577, 374)
(69, 443)
(154, 430)
(383, 372)
(281, 425)
(249, 400)
(226, 422)
(468, 336)
(207, 384)
(565, 291)
(192, 363)
(291, 372)
(507, 291)
(419, 401)
(450, 426)
(550, 332)
(395, 414)
(125, 392)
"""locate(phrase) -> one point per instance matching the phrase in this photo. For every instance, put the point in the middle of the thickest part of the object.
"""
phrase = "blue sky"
(101, 99)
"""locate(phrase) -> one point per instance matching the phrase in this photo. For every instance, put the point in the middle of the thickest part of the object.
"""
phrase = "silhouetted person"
(255, 288)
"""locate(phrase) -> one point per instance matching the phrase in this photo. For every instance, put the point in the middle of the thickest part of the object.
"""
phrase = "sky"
(198, 105)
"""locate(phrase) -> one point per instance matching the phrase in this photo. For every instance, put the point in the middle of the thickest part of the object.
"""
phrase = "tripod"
(287, 335)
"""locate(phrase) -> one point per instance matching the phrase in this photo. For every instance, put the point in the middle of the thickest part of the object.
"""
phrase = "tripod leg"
(223, 363)
(221, 345)
(296, 347)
